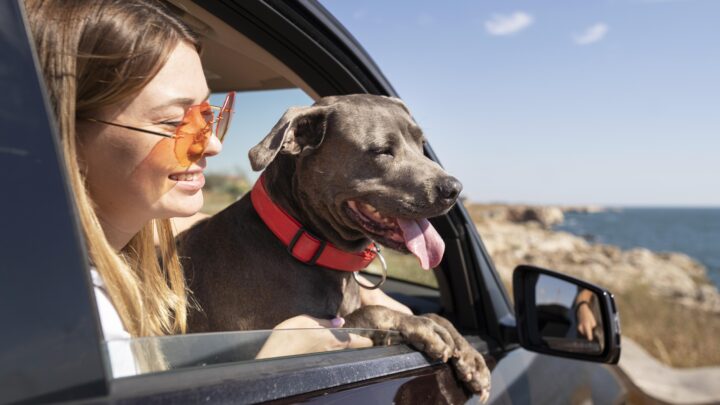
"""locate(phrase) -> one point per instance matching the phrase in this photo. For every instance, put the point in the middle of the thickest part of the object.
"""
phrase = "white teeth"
(372, 213)
(369, 208)
(184, 177)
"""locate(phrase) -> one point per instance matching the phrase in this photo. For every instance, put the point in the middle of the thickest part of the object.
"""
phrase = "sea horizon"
(597, 205)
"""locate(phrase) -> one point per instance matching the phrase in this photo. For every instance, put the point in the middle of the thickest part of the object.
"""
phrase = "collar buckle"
(300, 232)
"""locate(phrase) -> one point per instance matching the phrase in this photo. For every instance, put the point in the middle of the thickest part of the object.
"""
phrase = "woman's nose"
(214, 146)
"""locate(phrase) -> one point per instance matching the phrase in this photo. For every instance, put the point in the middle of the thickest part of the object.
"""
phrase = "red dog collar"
(300, 243)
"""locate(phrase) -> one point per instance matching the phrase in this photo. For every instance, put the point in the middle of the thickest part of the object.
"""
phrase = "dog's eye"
(384, 151)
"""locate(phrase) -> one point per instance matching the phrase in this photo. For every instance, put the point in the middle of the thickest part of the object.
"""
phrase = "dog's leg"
(421, 332)
(468, 362)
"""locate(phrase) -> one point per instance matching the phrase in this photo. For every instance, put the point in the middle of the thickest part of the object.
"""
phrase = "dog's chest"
(351, 297)
(335, 292)
(279, 283)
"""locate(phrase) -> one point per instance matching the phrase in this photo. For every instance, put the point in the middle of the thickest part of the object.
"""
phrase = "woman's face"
(134, 176)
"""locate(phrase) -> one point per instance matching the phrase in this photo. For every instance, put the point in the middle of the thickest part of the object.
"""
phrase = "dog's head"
(360, 173)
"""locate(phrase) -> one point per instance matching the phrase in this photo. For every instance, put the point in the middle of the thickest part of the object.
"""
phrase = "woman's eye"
(173, 124)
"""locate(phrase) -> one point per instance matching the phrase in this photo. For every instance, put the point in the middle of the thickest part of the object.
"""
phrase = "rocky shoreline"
(520, 234)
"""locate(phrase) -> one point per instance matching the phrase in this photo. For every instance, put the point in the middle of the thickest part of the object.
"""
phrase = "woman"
(129, 94)
(99, 59)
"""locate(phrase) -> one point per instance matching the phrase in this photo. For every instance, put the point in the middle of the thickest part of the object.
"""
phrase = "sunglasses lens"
(193, 134)
(225, 116)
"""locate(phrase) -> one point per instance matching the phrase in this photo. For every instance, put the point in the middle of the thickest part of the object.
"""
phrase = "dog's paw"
(429, 337)
(472, 370)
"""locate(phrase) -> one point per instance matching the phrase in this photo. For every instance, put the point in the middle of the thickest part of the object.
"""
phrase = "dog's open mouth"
(415, 235)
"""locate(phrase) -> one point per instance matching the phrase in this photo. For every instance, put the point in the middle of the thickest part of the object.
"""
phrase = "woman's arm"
(378, 297)
(309, 335)
(586, 321)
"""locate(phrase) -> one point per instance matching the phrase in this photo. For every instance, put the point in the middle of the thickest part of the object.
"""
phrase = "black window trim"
(266, 380)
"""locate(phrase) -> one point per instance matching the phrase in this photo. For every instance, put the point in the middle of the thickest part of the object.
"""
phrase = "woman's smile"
(188, 180)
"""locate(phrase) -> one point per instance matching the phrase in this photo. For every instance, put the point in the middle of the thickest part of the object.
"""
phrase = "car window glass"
(136, 356)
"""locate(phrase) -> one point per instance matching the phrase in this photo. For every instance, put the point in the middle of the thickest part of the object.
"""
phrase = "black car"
(51, 347)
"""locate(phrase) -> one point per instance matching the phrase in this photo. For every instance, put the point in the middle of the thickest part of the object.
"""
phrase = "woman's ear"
(300, 130)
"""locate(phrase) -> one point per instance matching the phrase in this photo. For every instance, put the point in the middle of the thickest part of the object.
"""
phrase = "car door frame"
(305, 37)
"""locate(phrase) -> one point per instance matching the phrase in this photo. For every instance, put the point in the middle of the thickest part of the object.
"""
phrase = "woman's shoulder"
(112, 326)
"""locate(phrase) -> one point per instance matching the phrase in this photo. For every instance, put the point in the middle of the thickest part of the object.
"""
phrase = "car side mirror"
(560, 315)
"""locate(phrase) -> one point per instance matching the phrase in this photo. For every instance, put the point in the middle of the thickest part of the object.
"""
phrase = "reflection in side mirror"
(560, 315)
(568, 316)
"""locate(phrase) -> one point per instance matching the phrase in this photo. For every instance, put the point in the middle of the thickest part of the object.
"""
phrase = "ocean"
(693, 231)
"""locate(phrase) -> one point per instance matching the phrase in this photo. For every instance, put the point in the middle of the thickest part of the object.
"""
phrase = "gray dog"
(350, 170)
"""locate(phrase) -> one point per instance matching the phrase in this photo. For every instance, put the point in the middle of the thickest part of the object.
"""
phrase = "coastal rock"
(545, 216)
(513, 236)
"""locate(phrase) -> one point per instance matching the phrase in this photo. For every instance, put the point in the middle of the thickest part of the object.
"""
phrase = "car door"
(54, 350)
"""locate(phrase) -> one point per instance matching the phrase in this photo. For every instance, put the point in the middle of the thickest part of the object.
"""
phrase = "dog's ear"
(300, 130)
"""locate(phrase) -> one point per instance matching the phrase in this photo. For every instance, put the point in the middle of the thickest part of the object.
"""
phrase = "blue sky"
(608, 102)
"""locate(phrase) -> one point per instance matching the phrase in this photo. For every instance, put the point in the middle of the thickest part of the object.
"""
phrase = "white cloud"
(508, 24)
(592, 34)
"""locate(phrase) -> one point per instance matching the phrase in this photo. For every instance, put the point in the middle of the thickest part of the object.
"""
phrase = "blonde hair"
(96, 53)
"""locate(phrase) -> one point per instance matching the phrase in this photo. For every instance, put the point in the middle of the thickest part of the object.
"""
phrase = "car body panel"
(53, 351)
(47, 351)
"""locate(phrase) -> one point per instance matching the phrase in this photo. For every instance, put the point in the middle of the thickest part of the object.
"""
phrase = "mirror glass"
(568, 316)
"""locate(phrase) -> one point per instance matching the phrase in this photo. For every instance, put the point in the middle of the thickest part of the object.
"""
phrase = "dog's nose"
(449, 188)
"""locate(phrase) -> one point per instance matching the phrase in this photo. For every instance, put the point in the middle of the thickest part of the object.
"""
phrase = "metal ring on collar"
(383, 276)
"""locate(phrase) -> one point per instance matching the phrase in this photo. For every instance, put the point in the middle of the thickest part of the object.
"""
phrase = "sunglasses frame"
(226, 108)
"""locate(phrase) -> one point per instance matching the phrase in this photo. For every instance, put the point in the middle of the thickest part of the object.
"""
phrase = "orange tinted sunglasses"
(193, 134)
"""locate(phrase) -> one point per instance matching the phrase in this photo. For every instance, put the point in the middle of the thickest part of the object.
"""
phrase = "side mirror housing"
(560, 315)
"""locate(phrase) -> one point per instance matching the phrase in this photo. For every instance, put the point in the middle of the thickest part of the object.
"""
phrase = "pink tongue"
(423, 241)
